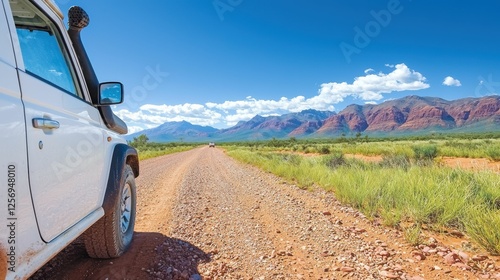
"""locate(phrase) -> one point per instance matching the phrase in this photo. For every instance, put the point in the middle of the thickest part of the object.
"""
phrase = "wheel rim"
(126, 208)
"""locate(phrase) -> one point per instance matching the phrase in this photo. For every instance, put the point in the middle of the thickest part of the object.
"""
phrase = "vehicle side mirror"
(110, 93)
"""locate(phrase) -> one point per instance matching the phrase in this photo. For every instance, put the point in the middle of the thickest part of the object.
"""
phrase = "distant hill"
(177, 131)
(408, 115)
(288, 125)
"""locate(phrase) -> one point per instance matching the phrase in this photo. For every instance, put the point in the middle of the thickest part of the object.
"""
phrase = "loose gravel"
(203, 215)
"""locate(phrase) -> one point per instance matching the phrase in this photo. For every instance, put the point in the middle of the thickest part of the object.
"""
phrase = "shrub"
(493, 153)
(335, 160)
(291, 159)
(324, 150)
(425, 154)
(396, 161)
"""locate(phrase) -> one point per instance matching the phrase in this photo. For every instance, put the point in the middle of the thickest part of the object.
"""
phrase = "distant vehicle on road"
(211, 145)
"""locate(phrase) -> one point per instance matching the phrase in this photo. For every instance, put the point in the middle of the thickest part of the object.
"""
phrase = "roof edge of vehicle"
(52, 6)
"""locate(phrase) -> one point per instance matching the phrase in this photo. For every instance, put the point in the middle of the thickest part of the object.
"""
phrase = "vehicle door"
(64, 131)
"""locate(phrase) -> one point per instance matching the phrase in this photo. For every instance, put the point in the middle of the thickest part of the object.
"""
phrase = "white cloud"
(372, 86)
(450, 81)
(369, 88)
(369, 70)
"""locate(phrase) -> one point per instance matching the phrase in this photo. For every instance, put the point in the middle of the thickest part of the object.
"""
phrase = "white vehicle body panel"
(65, 164)
(59, 188)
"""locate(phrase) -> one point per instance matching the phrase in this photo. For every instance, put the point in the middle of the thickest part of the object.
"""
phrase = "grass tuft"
(334, 160)
(425, 152)
(396, 161)
(493, 153)
(412, 234)
(482, 225)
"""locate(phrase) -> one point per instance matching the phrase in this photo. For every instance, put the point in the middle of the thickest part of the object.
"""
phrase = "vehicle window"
(43, 53)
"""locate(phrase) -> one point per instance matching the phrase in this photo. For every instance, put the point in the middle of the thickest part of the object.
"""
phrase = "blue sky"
(217, 62)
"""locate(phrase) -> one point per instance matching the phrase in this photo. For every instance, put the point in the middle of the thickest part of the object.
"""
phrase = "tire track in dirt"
(269, 219)
(158, 188)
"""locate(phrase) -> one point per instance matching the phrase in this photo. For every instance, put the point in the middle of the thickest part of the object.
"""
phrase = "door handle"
(45, 123)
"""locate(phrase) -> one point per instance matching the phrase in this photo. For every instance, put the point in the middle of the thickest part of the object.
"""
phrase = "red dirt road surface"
(202, 215)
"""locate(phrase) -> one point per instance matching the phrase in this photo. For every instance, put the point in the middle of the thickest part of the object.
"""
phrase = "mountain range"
(408, 115)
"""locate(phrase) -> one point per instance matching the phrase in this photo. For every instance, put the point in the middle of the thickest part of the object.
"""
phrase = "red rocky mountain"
(415, 113)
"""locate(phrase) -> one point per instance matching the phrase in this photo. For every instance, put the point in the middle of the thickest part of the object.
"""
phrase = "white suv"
(64, 168)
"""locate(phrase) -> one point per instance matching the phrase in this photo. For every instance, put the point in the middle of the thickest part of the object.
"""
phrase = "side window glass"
(43, 53)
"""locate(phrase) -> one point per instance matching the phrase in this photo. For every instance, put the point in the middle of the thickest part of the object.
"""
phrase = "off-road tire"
(109, 237)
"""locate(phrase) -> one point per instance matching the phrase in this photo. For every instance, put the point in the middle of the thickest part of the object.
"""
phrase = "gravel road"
(202, 215)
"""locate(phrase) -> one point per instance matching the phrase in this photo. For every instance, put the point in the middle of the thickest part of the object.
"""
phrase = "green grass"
(467, 146)
(398, 190)
(493, 153)
(146, 152)
(413, 234)
(481, 222)
(148, 149)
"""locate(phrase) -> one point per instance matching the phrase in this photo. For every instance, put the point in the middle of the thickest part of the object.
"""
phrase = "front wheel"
(111, 236)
